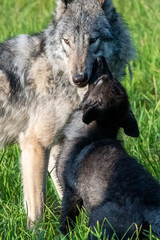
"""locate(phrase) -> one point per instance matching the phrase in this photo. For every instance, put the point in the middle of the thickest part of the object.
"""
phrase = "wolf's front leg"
(34, 163)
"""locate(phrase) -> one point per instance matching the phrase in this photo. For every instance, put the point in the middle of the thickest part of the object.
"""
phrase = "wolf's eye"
(66, 41)
(93, 40)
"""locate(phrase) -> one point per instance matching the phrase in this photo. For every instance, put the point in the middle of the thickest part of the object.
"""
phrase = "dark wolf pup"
(42, 79)
(95, 170)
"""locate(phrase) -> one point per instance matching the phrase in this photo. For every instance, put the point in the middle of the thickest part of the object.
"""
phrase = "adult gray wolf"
(43, 78)
(95, 170)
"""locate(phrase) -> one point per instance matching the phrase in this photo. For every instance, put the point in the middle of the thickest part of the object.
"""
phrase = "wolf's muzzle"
(80, 80)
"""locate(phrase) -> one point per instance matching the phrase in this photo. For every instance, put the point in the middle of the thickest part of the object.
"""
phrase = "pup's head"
(107, 102)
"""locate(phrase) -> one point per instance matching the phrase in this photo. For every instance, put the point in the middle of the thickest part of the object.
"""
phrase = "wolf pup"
(95, 170)
(42, 79)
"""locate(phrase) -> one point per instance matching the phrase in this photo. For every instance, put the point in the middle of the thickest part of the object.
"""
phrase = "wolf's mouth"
(80, 80)
(81, 85)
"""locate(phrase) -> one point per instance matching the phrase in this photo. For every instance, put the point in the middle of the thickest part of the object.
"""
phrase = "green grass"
(29, 16)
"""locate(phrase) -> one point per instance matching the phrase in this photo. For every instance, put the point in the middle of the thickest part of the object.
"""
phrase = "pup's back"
(114, 186)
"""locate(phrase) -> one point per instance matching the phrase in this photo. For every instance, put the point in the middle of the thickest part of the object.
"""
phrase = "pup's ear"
(91, 113)
(130, 125)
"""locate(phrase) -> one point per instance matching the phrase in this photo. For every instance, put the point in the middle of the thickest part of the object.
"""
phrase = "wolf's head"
(81, 31)
(107, 102)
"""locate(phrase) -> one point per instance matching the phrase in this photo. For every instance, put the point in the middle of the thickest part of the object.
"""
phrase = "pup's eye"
(66, 41)
(93, 40)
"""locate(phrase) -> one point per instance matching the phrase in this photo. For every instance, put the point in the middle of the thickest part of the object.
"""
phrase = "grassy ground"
(29, 16)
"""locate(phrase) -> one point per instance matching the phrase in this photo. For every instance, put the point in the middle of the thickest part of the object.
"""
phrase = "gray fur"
(36, 80)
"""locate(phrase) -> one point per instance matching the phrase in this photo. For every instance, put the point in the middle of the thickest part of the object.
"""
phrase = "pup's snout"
(80, 80)
(100, 68)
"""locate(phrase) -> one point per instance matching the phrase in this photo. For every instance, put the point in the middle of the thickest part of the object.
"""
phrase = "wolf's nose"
(80, 79)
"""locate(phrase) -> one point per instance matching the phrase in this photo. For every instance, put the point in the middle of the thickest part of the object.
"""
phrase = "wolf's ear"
(107, 6)
(67, 1)
(130, 125)
(61, 7)
(101, 1)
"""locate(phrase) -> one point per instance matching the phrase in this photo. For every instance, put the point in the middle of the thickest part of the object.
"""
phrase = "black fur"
(95, 170)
